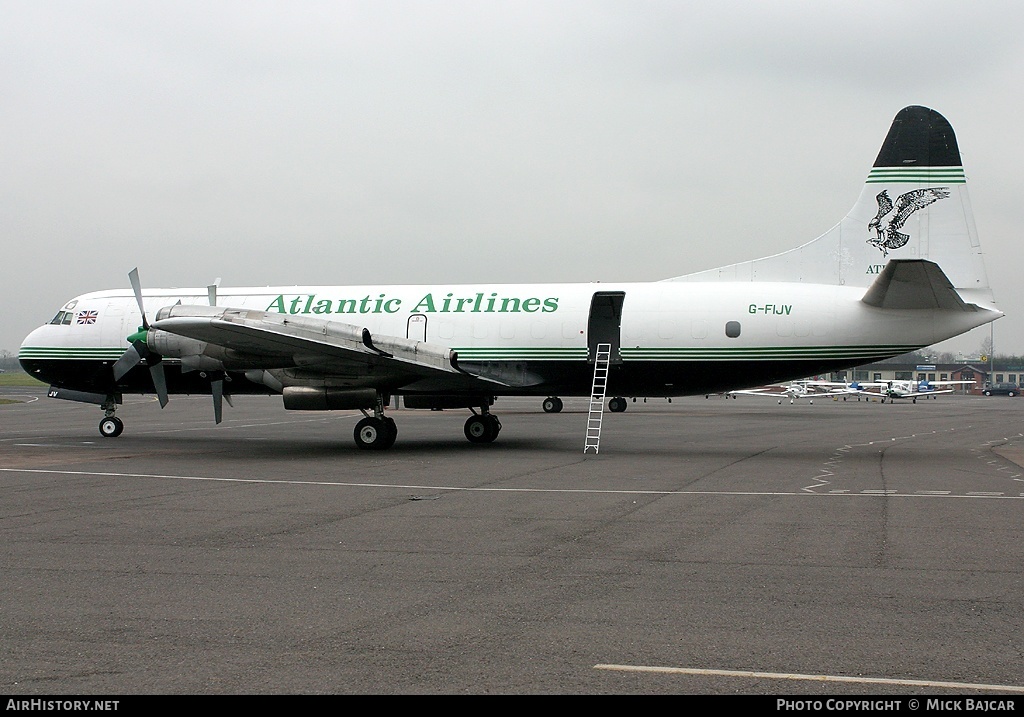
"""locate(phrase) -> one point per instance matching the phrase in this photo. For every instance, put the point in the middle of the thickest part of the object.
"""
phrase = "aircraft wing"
(261, 339)
(843, 387)
(768, 393)
(905, 394)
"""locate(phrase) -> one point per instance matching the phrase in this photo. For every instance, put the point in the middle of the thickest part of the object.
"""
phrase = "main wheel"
(111, 427)
(375, 434)
(482, 428)
(392, 430)
(617, 404)
(552, 404)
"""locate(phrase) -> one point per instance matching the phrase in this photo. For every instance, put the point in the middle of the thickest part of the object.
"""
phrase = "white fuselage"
(791, 326)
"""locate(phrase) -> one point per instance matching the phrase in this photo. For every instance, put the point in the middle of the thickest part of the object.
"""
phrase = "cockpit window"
(63, 318)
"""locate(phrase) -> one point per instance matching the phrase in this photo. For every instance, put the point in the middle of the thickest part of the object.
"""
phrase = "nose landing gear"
(111, 426)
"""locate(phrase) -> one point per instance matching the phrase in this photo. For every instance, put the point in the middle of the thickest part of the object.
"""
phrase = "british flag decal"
(87, 317)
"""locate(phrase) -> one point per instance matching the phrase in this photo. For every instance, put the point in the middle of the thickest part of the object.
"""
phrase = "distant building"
(979, 372)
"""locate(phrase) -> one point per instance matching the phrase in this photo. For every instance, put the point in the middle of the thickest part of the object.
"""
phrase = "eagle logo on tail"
(887, 234)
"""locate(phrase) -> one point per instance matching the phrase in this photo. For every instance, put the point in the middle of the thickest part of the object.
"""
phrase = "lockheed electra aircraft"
(903, 270)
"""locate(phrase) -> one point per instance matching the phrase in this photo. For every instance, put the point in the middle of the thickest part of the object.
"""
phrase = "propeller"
(217, 389)
(140, 350)
(211, 291)
(217, 377)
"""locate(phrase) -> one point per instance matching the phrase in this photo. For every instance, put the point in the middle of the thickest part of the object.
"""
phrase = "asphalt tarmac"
(714, 546)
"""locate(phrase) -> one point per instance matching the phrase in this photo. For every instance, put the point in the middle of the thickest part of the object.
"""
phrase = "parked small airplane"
(914, 389)
(893, 276)
(792, 391)
(842, 389)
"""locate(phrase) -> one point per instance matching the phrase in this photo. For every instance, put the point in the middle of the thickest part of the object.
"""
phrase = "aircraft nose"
(34, 345)
(31, 339)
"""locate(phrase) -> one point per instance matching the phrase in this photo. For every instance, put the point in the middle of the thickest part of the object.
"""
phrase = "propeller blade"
(217, 386)
(139, 349)
(129, 360)
(133, 277)
(156, 372)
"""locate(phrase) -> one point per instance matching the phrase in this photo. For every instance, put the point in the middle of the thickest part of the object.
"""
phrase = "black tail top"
(919, 137)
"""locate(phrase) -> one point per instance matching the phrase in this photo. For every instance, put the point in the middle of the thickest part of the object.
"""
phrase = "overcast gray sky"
(420, 142)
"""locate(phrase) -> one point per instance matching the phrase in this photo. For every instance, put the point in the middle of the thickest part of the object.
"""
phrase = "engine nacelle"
(318, 398)
(168, 344)
(198, 355)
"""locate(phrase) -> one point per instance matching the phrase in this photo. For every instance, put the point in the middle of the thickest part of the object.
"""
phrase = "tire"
(552, 404)
(988, 393)
(374, 434)
(392, 431)
(111, 427)
(1011, 394)
(482, 429)
(617, 404)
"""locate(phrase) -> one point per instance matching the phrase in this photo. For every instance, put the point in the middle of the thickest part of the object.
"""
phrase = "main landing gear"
(552, 404)
(482, 427)
(111, 426)
(617, 404)
(376, 432)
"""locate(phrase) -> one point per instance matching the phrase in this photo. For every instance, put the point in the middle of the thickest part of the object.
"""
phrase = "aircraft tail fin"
(914, 205)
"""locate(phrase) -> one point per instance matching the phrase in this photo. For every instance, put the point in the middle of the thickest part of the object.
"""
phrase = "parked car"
(1001, 389)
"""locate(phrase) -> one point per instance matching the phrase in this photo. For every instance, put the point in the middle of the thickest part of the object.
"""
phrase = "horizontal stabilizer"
(914, 284)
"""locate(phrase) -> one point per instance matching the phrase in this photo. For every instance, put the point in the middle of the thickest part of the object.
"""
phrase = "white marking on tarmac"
(409, 486)
(812, 678)
(78, 444)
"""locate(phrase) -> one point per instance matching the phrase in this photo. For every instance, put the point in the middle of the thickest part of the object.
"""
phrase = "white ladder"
(601, 362)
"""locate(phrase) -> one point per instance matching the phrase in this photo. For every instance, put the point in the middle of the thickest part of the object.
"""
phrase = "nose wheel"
(111, 427)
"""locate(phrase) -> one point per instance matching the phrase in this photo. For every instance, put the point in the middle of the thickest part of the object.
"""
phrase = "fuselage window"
(732, 329)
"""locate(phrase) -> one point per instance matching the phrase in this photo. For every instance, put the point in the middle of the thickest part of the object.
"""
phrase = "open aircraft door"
(605, 323)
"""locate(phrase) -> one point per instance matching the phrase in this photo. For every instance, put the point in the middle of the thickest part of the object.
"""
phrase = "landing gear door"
(605, 323)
